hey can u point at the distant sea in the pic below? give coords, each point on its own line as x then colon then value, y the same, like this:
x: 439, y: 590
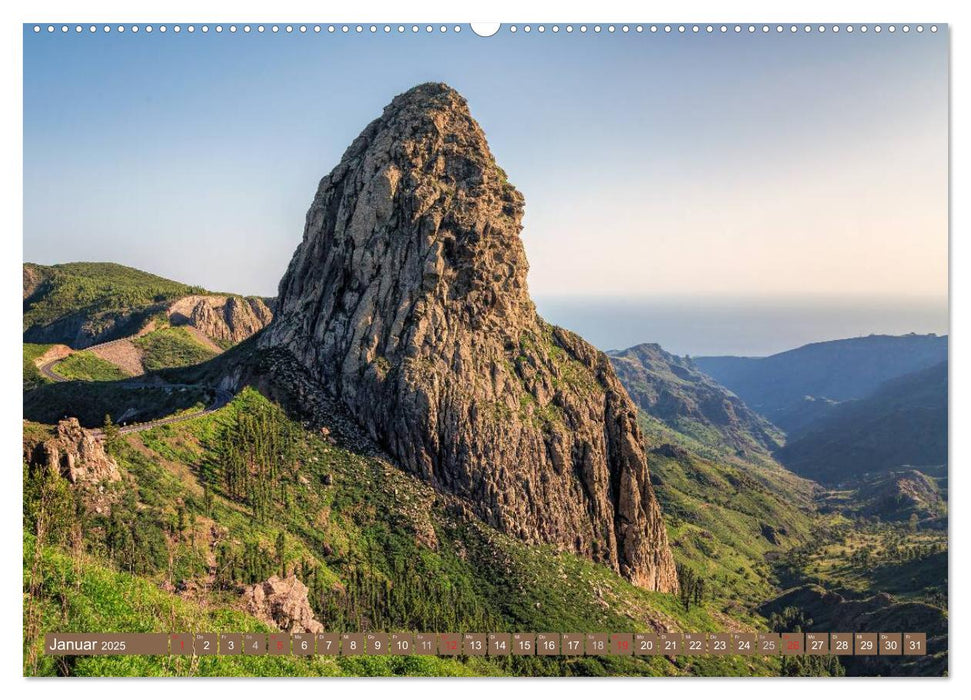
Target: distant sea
x: 751, y: 327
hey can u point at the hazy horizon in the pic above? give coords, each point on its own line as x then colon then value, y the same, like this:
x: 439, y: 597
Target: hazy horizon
x: 753, y: 327
x: 728, y: 325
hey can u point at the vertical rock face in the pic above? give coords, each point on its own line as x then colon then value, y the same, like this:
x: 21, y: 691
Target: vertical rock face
x: 407, y: 301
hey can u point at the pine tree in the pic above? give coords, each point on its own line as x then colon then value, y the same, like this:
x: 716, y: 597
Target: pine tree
x: 112, y: 435
x: 207, y: 498
x: 281, y: 553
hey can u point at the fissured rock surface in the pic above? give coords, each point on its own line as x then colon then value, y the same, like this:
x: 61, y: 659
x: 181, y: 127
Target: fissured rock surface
x: 281, y: 602
x: 77, y: 454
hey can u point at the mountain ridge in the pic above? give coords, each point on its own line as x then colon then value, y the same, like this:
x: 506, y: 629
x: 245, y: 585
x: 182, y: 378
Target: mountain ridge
x: 792, y: 388
x: 674, y: 391
x: 903, y: 423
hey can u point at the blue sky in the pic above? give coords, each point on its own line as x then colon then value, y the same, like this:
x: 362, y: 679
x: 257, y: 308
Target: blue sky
x: 795, y: 166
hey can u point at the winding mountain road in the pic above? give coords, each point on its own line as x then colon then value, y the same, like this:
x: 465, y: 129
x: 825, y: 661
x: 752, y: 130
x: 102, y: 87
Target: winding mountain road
x: 221, y: 397
x: 47, y: 369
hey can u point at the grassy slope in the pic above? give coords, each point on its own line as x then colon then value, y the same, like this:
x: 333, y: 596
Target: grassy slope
x: 716, y: 505
x: 377, y: 522
x: 171, y: 347
x: 81, y: 594
x: 890, y: 567
x: 100, y: 295
x: 88, y: 367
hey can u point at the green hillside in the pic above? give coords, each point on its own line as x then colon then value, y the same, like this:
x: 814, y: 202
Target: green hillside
x: 726, y: 517
x: 99, y: 597
x: 378, y: 549
x: 674, y: 391
x: 32, y: 376
x: 88, y: 367
x: 869, y: 576
x: 212, y: 504
x: 80, y: 304
x: 897, y: 496
x: 171, y: 347
x: 903, y: 423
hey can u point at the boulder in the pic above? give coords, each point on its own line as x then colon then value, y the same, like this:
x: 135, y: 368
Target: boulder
x: 77, y: 454
x: 281, y: 602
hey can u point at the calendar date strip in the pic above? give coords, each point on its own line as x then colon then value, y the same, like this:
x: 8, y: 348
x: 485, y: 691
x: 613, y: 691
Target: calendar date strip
x: 492, y: 644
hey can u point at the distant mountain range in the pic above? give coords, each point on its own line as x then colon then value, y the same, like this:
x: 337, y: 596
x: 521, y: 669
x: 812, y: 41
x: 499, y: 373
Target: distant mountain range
x: 902, y: 423
x: 794, y: 388
x: 849, y: 407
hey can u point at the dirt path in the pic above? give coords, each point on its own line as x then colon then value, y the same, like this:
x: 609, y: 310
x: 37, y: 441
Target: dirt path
x: 54, y: 354
x: 47, y: 369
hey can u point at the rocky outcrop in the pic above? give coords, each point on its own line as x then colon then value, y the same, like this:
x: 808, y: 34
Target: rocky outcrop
x: 772, y: 534
x: 229, y: 319
x: 77, y: 454
x: 407, y: 302
x: 281, y: 602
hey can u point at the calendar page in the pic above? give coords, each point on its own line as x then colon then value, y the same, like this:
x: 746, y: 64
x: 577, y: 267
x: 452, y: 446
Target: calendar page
x: 436, y: 349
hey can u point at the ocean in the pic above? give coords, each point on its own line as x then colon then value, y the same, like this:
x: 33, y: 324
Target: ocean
x: 749, y: 327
